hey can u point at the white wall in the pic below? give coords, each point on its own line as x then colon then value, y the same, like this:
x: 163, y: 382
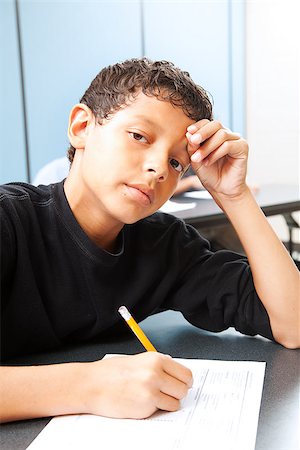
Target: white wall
x: 272, y: 93
x: 272, y: 86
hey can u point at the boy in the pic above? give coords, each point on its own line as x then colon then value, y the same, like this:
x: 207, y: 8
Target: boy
x: 73, y: 252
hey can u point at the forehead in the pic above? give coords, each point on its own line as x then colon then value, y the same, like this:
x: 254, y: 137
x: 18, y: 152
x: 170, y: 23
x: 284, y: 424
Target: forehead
x: 154, y: 112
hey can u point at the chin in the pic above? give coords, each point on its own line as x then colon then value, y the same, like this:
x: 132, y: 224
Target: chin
x: 134, y: 217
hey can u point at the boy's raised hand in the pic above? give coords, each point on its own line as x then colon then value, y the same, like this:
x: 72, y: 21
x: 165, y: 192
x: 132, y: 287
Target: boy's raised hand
x: 218, y: 157
x: 136, y: 386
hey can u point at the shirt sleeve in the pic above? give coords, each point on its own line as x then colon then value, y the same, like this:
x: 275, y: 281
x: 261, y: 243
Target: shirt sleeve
x: 215, y: 290
x: 7, y: 254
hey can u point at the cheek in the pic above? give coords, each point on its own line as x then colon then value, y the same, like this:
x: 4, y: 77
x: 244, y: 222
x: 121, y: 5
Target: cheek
x: 104, y: 171
x: 174, y: 178
x: 167, y: 189
x: 110, y: 154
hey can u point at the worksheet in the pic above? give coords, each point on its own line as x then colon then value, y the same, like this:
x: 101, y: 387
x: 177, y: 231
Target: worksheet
x: 220, y: 411
x: 202, y: 194
x: 170, y: 206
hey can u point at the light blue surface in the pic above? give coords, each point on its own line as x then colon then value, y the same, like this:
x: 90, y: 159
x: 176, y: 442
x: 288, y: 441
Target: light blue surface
x: 195, y: 36
x: 66, y: 43
x: 12, y: 147
x: 238, y: 67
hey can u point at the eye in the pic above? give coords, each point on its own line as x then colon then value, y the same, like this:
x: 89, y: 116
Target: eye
x: 176, y: 165
x: 138, y: 137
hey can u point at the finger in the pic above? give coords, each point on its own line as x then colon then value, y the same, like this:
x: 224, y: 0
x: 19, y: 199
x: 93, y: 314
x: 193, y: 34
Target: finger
x: 233, y: 149
x: 196, y: 126
x: 205, y: 132
x: 218, y: 139
x: 178, y: 371
x: 173, y: 387
x: 167, y: 403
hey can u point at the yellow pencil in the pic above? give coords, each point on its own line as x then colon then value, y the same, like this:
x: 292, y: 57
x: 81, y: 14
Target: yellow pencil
x: 136, y: 329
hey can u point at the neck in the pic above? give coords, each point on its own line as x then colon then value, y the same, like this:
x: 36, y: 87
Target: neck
x: 100, y: 228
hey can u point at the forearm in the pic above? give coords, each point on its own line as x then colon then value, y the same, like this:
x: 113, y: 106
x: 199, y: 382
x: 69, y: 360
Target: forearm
x: 219, y: 158
x: 40, y: 391
x: 275, y: 276
x: 128, y: 387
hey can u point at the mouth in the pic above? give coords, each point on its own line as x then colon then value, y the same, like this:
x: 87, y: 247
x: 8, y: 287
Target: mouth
x: 141, y: 194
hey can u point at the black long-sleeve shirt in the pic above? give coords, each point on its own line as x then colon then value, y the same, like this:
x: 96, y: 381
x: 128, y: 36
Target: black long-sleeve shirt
x: 58, y: 287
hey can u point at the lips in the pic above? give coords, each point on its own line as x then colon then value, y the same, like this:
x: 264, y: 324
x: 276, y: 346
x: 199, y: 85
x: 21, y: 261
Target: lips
x: 141, y: 193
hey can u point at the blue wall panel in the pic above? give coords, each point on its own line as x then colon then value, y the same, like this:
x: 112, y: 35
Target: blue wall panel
x: 65, y: 44
x: 238, y: 67
x: 12, y: 148
x: 206, y: 38
x: 195, y: 36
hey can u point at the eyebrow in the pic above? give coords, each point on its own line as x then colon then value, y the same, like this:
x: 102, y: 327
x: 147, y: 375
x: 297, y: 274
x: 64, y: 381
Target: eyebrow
x: 147, y: 119
x: 151, y: 122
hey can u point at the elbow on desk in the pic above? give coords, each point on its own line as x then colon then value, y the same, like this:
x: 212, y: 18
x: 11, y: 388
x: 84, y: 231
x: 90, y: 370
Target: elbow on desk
x: 286, y: 330
x: 290, y: 345
x: 288, y: 340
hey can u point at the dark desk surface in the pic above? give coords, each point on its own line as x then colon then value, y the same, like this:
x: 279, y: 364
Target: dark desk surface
x: 273, y: 199
x: 170, y: 333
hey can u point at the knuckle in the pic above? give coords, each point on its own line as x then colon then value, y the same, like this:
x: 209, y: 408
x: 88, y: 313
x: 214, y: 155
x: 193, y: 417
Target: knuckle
x: 190, y: 376
x: 202, y: 122
x: 245, y: 144
x: 154, y: 358
x: 183, y: 392
x: 218, y: 124
x: 189, y: 379
x: 174, y: 404
x: 205, y: 122
x: 226, y: 145
x: 148, y: 377
x: 223, y: 133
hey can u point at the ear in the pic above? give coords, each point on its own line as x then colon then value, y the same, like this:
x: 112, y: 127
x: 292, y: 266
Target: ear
x: 80, y: 117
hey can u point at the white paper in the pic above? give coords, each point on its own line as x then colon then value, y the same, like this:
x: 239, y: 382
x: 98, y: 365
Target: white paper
x: 171, y: 206
x: 220, y: 412
x: 203, y: 195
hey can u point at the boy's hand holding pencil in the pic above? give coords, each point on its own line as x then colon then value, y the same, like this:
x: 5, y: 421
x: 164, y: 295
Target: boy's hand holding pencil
x: 135, y: 386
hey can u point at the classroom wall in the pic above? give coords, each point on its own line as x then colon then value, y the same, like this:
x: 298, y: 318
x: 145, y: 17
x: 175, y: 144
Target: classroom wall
x: 243, y: 52
x: 272, y: 90
x: 53, y: 49
x: 272, y: 95
x: 260, y: 63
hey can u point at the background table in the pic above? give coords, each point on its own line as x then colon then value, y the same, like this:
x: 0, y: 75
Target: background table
x: 274, y: 199
x: 170, y: 333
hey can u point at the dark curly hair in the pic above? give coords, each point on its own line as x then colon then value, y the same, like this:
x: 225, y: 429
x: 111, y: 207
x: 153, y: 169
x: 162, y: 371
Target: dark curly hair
x: 117, y: 84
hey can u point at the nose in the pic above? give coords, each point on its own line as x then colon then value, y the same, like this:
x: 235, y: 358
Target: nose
x: 157, y: 165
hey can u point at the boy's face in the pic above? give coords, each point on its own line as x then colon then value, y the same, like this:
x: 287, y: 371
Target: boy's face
x: 130, y: 165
